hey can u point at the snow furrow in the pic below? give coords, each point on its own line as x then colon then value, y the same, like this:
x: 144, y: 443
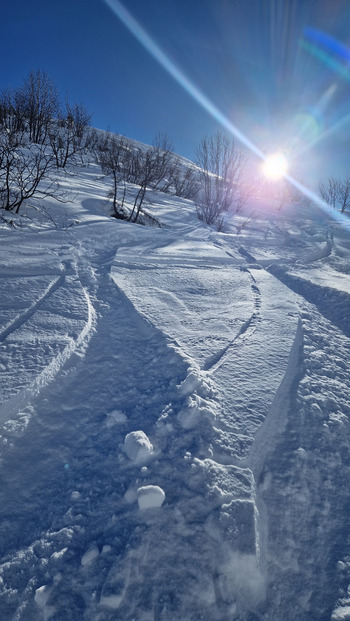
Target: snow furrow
x: 246, y: 330
x: 176, y: 443
x: 21, y: 319
x: 22, y: 398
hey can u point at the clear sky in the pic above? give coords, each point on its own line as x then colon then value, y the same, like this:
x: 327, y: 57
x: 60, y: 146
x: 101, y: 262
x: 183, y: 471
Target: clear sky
x: 278, y: 70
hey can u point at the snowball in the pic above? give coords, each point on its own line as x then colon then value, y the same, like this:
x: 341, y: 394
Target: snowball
x: 150, y: 497
x: 89, y: 556
x: 138, y: 447
x: 115, y: 418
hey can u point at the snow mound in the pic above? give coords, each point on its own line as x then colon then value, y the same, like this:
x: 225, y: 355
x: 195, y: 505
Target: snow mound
x: 150, y: 497
x: 138, y: 447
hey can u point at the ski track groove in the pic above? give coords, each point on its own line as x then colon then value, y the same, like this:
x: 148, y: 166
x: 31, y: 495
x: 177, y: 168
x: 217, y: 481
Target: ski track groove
x: 119, y: 307
x: 265, y: 437
x: 246, y: 330
x: 284, y: 487
x: 24, y: 396
x: 21, y: 319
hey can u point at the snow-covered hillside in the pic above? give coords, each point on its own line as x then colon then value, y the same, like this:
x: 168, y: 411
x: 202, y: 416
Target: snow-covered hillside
x: 175, y: 402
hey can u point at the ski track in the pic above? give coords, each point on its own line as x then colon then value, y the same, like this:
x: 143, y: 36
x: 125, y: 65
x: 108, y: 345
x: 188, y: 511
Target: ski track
x: 301, y: 463
x: 177, y: 414
x: 75, y: 545
x: 303, y: 481
x: 51, y: 364
x: 246, y: 331
x: 96, y: 490
x: 23, y: 318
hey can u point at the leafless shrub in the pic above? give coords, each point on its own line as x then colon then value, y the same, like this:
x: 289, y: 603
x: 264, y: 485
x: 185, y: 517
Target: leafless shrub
x: 111, y: 153
x: 68, y: 135
x: 185, y: 180
x: 38, y: 103
x: 221, y: 165
x: 336, y: 192
x: 23, y: 168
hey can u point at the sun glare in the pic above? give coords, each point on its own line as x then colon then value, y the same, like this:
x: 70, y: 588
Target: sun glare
x: 275, y: 166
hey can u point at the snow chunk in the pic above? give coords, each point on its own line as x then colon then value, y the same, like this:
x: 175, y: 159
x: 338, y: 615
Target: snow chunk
x: 90, y: 555
x: 42, y: 594
x: 115, y: 418
x: 341, y: 614
x: 56, y: 556
x: 190, y: 383
x: 138, y: 447
x: 195, y: 382
x: 196, y: 410
x: 150, y: 497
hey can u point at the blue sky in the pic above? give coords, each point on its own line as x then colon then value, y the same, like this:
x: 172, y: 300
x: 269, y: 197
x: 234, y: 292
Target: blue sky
x: 271, y: 67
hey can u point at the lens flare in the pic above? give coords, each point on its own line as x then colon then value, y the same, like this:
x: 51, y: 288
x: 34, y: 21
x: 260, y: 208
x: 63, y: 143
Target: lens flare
x: 151, y: 46
x: 275, y: 166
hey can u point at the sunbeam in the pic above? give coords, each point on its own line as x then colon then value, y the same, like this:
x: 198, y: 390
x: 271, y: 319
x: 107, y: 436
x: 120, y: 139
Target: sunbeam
x: 144, y: 38
x: 153, y: 48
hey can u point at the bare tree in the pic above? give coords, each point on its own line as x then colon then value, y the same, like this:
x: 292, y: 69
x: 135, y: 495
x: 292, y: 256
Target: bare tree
x: 329, y: 191
x: 185, y: 180
x: 221, y: 165
x: 162, y: 162
x: 23, y: 168
x: 68, y: 135
x: 133, y: 164
x: 344, y: 194
x: 145, y: 179
x: 39, y: 103
x: 336, y: 192
x: 11, y: 113
x: 111, y: 153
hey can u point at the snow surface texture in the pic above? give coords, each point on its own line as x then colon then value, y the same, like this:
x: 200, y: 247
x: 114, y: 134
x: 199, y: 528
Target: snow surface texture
x: 174, y: 416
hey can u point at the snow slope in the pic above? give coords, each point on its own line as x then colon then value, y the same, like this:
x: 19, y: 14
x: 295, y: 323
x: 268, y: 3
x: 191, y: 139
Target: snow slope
x: 174, y: 415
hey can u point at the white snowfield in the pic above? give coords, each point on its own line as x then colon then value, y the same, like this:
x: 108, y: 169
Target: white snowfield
x: 175, y: 402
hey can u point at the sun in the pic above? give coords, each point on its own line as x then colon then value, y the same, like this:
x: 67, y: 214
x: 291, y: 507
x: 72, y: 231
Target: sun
x: 275, y: 166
